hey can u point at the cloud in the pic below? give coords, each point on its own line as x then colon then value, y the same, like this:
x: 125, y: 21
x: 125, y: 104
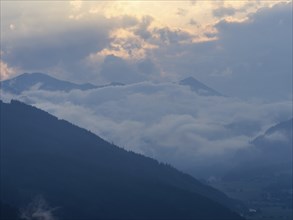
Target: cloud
x: 142, y: 29
x: 65, y: 48
x: 277, y: 137
x: 263, y: 58
x: 6, y: 71
x: 182, y: 12
x: 170, y: 37
x: 115, y: 69
x: 76, y: 5
x: 38, y: 209
x: 193, y: 22
x: 166, y: 121
x: 224, y: 11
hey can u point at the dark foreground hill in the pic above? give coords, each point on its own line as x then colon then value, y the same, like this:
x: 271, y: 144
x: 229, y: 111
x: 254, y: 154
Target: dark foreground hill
x: 81, y: 176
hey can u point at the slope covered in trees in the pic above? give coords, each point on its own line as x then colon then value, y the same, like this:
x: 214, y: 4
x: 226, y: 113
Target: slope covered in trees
x: 85, y: 177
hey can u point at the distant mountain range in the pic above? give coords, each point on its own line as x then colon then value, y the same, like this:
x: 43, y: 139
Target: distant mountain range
x: 271, y: 150
x: 41, y: 81
x: 275, y: 145
x: 262, y: 176
x: 281, y: 132
x: 86, y: 177
x: 269, y: 159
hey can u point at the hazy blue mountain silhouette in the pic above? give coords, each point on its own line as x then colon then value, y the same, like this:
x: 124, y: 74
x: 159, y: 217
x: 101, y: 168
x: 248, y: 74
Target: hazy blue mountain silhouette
x: 275, y: 145
x: 89, y: 178
x: 271, y: 150
x: 268, y: 159
x: 199, y: 87
x: 267, y: 165
x: 284, y: 128
x: 262, y: 173
x: 43, y: 81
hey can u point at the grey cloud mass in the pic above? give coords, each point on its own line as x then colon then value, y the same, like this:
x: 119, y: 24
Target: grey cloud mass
x: 259, y: 52
x: 65, y: 48
x: 142, y: 29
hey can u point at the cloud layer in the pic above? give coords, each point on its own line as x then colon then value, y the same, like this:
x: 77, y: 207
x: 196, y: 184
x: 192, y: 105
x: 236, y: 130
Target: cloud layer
x: 166, y: 121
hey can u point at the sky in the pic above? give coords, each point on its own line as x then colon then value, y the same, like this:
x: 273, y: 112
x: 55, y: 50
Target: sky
x: 240, y: 48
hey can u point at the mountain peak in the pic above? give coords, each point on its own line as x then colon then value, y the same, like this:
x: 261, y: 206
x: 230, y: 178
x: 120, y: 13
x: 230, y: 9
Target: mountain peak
x: 33, y: 76
x: 189, y: 79
x: 199, y: 87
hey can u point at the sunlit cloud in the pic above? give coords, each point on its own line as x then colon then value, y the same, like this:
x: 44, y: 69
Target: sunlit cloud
x: 76, y: 5
x: 177, y: 14
x: 6, y: 71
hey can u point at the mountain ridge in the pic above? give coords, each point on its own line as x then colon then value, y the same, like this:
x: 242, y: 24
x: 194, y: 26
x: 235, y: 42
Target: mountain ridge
x: 48, y: 153
x: 42, y: 81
